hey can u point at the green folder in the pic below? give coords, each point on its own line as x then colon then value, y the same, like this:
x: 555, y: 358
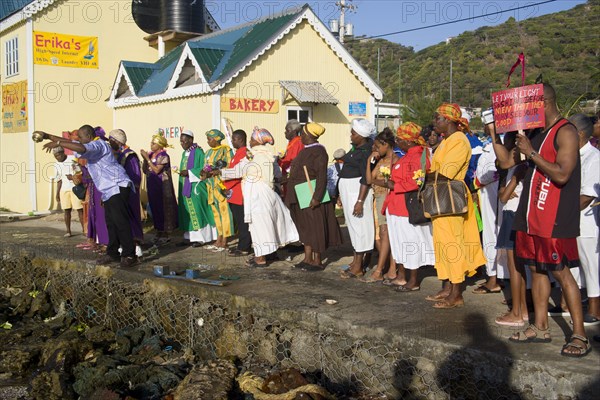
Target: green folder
x: 305, y: 191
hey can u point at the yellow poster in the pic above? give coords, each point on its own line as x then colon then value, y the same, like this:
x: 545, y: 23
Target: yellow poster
x: 235, y: 104
x: 14, y: 107
x: 62, y: 50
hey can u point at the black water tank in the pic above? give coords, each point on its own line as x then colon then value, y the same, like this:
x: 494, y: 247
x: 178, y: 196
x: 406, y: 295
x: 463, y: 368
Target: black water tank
x: 177, y: 15
x: 182, y: 15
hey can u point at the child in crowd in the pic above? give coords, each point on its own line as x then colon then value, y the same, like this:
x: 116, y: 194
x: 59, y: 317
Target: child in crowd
x: 66, y: 168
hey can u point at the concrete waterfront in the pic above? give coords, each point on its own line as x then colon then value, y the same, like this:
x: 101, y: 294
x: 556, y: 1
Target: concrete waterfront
x: 372, y: 339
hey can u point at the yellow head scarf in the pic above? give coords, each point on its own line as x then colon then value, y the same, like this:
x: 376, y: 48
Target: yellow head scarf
x: 411, y: 132
x: 161, y: 141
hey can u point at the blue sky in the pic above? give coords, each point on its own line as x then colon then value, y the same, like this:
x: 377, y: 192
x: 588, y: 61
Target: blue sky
x: 375, y: 17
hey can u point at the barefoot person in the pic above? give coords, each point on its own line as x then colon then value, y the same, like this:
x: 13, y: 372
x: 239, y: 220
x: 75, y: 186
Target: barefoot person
x: 547, y: 224
x: 458, y: 251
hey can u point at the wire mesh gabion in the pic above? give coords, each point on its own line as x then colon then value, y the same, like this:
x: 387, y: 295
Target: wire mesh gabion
x: 219, y: 329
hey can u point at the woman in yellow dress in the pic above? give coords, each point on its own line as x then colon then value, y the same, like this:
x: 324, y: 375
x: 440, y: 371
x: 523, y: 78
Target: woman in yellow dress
x: 458, y: 251
x: 216, y: 190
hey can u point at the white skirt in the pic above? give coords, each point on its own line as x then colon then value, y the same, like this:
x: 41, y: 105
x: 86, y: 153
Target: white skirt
x: 361, y: 229
x: 268, y: 219
x: 412, y: 245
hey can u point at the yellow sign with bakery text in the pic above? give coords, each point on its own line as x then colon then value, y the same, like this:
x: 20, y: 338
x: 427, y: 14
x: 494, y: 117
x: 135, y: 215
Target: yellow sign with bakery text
x: 61, y: 50
x: 14, y: 107
x: 235, y: 104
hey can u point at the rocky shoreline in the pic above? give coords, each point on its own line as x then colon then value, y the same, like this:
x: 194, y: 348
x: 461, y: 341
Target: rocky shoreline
x: 50, y: 355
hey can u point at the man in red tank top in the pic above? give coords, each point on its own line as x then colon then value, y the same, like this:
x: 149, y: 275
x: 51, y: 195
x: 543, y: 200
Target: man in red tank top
x: 547, y: 223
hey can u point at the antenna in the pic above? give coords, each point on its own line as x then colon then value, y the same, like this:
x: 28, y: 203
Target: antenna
x: 343, y: 6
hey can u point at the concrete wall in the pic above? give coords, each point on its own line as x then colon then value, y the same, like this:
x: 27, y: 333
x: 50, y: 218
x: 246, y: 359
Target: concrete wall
x: 66, y: 98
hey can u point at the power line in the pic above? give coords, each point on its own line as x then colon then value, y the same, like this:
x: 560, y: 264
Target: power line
x: 451, y: 22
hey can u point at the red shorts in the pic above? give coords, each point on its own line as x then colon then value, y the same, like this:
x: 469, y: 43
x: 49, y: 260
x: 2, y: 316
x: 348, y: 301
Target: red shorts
x: 547, y: 254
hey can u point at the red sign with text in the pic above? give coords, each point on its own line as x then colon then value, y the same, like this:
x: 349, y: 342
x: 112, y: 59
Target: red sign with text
x: 519, y: 108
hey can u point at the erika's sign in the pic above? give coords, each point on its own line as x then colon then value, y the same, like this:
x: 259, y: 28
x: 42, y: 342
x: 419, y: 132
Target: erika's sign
x: 235, y: 104
x: 61, y: 50
x: 519, y: 108
x: 14, y: 107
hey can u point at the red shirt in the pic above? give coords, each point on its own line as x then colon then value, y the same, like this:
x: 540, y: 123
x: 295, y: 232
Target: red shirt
x: 402, y: 175
x: 294, y: 147
x: 235, y: 185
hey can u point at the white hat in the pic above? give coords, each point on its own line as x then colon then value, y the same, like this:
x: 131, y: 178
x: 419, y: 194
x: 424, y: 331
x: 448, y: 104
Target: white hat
x: 119, y: 135
x: 339, y: 153
x: 187, y: 132
x: 57, y: 150
x: 363, y: 127
x: 466, y: 116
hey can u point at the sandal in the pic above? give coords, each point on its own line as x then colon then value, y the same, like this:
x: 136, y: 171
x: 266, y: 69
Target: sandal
x: 350, y: 275
x: 390, y: 282
x: 444, y: 304
x: 540, y: 335
x: 436, y: 297
x: 404, y: 289
x: 582, y: 350
x: 485, y: 290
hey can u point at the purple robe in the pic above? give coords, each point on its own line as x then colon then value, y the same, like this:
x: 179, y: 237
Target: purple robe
x: 161, y: 194
x: 97, y: 229
x: 130, y: 161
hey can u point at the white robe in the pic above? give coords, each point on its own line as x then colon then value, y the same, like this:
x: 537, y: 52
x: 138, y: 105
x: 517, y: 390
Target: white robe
x: 268, y: 219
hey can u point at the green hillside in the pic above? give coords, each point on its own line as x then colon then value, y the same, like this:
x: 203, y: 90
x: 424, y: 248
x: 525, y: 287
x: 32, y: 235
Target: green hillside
x: 564, y: 47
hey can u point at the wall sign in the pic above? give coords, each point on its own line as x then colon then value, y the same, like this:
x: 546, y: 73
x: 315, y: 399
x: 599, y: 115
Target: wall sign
x: 357, y: 109
x: 171, y: 132
x: 62, y: 50
x: 234, y: 104
x: 519, y: 108
x: 14, y: 107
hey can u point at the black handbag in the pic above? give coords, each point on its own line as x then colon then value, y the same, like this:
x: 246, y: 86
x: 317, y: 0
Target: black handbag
x: 79, y: 191
x: 416, y: 215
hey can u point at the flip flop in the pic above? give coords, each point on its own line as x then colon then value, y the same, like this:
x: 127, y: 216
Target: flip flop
x: 514, y: 324
x: 404, y: 289
x: 485, y: 290
x: 435, y: 297
x: 390, y: 282
x: 313, y: 268
x: 370, y: 280
x: 444, y: 305
x: 67, y: 235
x: 350, y: 275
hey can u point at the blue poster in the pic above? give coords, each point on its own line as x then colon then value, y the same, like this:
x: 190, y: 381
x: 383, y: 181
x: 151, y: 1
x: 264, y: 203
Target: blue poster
x: 357, y: 109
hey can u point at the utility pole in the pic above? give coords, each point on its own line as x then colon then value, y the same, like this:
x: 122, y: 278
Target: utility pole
x: 400, y: 90
x: 343, y: 7
x: 450, y: 80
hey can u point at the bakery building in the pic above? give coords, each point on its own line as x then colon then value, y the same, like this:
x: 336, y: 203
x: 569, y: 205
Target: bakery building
x: 257, y: 74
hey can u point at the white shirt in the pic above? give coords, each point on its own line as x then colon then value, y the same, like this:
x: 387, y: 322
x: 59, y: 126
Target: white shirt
x: 513, y: 203
x: 590, y: 186
x: 67, y: 167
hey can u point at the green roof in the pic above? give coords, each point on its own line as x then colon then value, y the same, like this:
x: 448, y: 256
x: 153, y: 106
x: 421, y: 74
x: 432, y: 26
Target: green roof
x: 208, y: 59
x: 10, y: 7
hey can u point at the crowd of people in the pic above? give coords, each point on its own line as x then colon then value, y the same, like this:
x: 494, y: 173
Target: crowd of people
x: 520, y: 223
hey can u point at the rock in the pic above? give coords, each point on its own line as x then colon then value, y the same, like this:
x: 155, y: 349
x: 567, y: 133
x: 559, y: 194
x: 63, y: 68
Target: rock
x: 98, y: 335
x: 211, y: 380
x: 17, y: 361
x: 51, y: 385
x: 283, y: 381
x: 40, y: 306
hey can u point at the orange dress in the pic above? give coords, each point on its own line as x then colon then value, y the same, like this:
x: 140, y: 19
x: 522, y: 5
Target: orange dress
x: 456, y: 241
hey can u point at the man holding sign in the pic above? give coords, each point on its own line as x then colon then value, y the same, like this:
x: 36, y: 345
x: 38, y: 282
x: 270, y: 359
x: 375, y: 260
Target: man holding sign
x: 546, y: 223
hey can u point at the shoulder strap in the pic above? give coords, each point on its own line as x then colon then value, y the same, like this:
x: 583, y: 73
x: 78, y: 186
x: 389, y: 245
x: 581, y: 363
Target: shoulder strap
x: 338, y: 167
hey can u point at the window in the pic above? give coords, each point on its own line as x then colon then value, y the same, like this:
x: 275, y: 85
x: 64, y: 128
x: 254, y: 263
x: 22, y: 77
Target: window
x: 302, y: 114
x: 11, y: 57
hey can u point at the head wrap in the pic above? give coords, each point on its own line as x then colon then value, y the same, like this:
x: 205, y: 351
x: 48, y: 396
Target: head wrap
x: 262, y: 136
x: 161, y: 141
x: 118, y: 135
x: 189, y: 133
x: 339, y: 153
x: 363, y: 127
x: 215, y: 134
x: 314, y: 129
x: 100, y: 132
x: 453, y: 113
x: 411, y: 132
x: 57, y: 150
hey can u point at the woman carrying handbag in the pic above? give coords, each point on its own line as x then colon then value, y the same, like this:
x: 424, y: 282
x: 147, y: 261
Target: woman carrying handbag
x: 458, y: 251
